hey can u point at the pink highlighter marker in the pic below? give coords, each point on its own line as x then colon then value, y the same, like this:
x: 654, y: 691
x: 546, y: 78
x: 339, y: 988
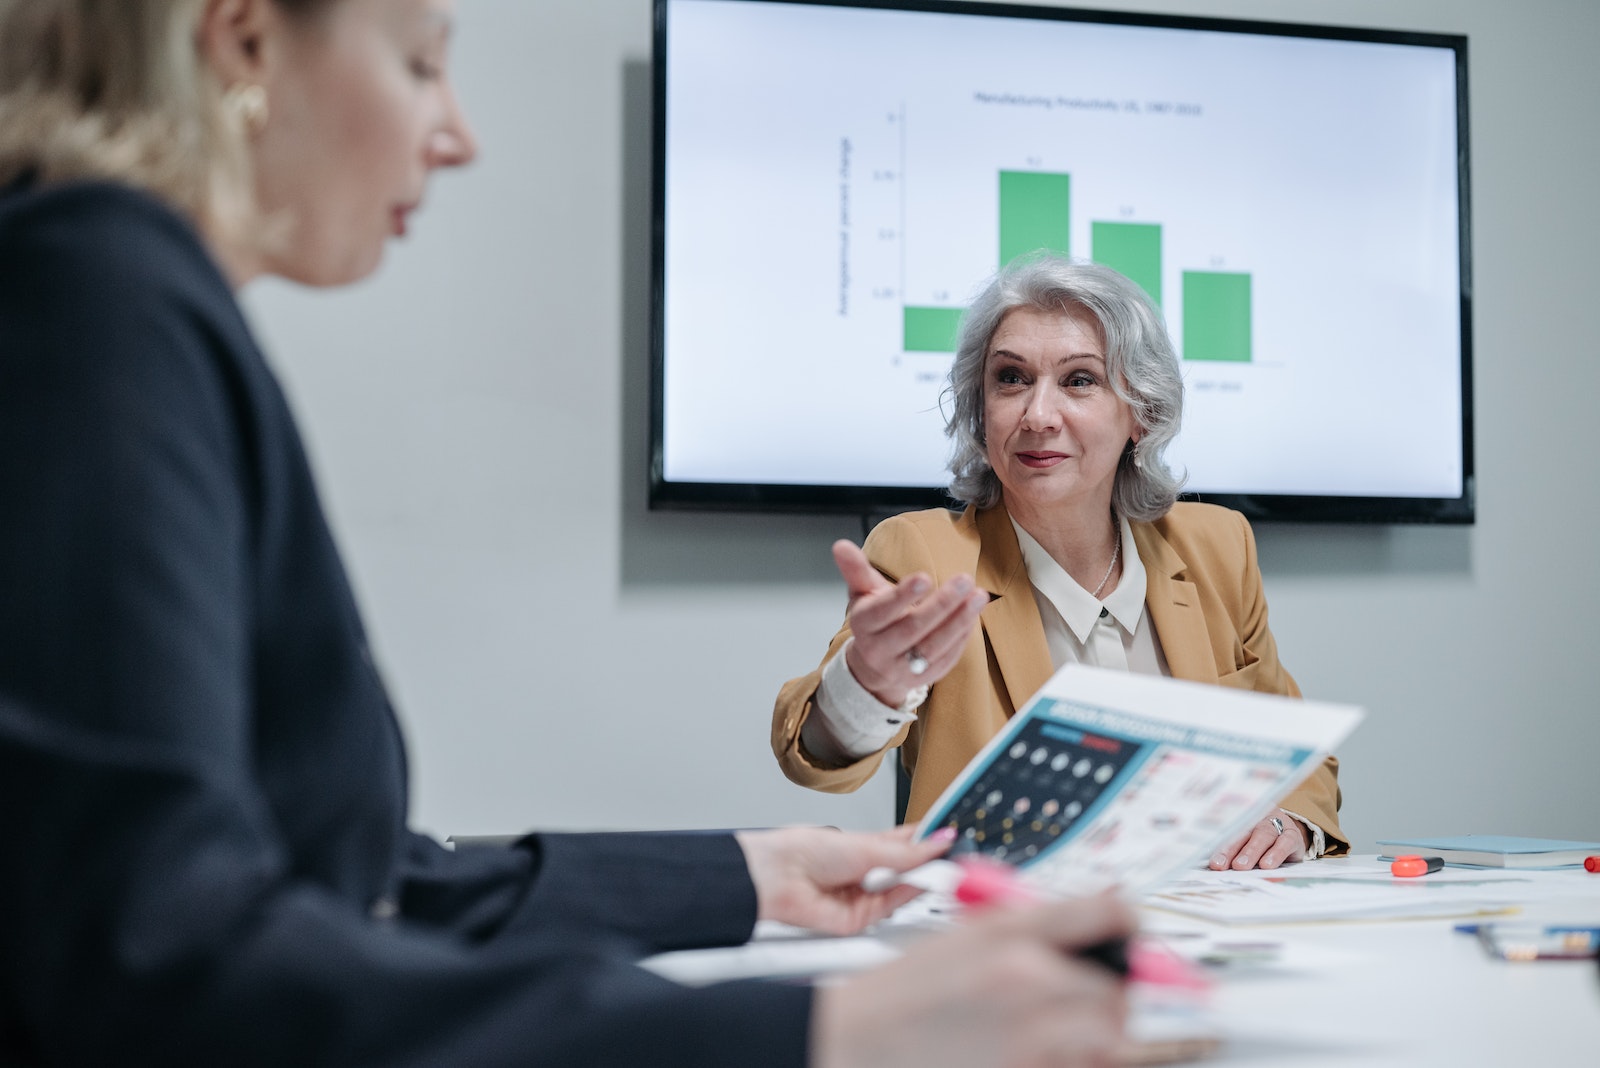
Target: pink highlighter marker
x: 985, y: 883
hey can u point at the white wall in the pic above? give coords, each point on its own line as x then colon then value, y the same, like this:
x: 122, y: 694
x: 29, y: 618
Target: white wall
x: 565, y: 658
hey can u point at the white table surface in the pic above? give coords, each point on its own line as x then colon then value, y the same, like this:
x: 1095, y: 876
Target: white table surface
x: 1376, y: 993
x: 1409, y: 992
x: 1412, y: 992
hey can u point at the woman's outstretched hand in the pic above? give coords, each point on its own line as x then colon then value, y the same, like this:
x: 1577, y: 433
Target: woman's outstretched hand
x: 907, y: 634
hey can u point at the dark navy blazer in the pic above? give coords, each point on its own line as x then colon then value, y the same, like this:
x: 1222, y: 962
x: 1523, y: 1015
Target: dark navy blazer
x: 202, y: 783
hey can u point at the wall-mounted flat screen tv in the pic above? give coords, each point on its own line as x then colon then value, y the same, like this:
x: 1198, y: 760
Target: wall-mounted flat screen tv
x: 833, y: 181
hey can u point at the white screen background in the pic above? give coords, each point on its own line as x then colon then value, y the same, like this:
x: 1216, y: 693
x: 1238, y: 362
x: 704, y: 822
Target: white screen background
x: 826, y: 167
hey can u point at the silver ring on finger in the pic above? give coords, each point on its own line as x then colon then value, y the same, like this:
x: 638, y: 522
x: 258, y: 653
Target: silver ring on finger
x: 916, y: 663
x: 1277, y: 825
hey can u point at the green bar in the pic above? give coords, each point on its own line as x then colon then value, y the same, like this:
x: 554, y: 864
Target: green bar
x: 1033, y: 213
x: 932, y: 329
x: 1132, y: 248
x: 1216, y: 316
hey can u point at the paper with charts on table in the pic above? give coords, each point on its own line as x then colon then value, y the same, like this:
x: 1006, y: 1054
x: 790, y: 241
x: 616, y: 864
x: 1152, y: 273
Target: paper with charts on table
x: 1342, y: 888
x: 1110, y: 778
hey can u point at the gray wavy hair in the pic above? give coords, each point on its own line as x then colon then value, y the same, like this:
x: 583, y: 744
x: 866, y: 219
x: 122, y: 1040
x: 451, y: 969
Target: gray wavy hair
x: 1140, y: 363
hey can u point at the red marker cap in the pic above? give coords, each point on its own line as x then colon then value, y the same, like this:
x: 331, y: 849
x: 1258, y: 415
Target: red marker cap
x: 1411, y: 865
x: 1591, y: 863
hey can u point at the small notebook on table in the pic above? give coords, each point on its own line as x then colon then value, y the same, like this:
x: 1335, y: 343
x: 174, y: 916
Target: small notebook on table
x: 1495, y: 850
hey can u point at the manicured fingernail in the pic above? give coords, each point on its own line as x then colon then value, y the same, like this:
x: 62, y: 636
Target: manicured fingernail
x: 918, y: 585
x: 1217, y: 860
x: 961, y: 583
x: 943, y: 835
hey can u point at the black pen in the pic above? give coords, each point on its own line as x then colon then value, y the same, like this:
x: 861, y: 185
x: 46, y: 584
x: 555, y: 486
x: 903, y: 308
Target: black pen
x: 1112, y: 954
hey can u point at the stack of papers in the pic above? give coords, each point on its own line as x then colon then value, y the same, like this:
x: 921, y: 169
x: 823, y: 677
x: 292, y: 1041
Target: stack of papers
x: 1328, y: 890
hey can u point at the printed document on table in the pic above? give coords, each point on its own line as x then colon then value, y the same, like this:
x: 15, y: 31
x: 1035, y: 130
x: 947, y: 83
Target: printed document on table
x: 1110, y: 778
x: 1341, y: 889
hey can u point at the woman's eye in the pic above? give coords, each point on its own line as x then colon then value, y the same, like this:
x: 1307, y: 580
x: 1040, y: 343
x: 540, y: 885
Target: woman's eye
x: 426, y: 70
x: 1079, y: 380
x: 1008, y: 376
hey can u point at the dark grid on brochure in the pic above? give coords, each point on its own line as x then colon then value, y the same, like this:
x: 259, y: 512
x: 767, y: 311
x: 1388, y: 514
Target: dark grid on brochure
x: 1036, y: 787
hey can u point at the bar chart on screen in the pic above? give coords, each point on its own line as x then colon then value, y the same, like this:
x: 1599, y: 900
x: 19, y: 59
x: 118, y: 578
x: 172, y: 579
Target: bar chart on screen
x: 1034, y: 214
x: 951, y: 191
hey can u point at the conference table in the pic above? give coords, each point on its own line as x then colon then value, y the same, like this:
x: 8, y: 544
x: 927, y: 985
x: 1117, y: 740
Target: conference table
x: 1412, y: 992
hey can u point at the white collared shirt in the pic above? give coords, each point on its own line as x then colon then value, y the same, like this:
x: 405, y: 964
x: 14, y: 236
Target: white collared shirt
x: 1113, y: 633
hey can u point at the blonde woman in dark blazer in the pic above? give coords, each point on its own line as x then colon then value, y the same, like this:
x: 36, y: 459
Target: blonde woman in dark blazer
x: 1066, y: 391
x: 203, y: 779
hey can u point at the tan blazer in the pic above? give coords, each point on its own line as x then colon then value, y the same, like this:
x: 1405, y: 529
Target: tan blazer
x: 1204, y: 597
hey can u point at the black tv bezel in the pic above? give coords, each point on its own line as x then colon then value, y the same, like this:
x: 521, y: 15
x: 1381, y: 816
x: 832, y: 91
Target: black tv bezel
x: 882, y: 500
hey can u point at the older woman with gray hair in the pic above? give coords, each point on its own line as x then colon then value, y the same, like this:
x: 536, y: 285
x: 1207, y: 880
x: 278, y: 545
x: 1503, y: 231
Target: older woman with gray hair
x: 1065, y: 393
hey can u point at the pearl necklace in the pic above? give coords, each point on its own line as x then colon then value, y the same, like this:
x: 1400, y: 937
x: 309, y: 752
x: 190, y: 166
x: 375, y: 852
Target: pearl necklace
x: 1116, y: 554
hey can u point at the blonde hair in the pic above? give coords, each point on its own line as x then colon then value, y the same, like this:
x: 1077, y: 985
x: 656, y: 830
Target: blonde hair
x: 119, y: 90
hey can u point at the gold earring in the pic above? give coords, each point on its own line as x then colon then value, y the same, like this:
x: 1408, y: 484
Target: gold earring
x: 248, y: 105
